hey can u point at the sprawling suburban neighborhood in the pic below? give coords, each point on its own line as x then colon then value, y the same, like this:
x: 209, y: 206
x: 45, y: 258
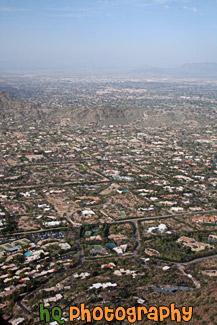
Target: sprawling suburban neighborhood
x: 117, y: 213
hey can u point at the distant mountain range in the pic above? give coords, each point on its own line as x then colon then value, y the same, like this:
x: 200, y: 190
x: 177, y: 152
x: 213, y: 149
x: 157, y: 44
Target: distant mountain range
x: 188, y: 70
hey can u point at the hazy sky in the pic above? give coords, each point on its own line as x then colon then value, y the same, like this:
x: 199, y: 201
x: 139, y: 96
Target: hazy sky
x: 56, y: 34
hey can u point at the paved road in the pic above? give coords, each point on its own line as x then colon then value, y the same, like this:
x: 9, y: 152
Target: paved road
x: 76, y: 229
x: 79, y: 247
x: 34, y: 231
x: 137, y: 238
x: 26, y: 310
x: 5, y: 188
x: 181, y: 268
x: 164, y: 216
x: 198, y: 260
